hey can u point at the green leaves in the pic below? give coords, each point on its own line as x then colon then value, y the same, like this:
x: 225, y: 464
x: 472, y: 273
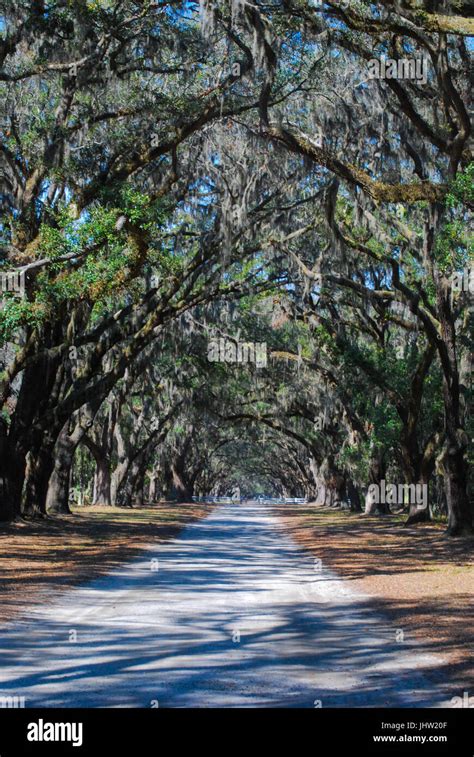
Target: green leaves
x: 461, y: 190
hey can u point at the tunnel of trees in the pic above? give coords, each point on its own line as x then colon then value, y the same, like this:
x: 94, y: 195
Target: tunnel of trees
x: 238, y: 249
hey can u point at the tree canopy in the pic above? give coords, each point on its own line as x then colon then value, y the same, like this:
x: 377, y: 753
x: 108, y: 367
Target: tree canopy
x: 236, y: 251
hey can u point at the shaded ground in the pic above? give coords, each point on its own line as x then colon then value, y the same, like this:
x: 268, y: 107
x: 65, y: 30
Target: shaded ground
x: 423, y: 581
x: 231, y: 612
x: 38, y: 556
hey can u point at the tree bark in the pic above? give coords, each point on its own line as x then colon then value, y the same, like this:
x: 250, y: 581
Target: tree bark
x: 354, y: 497
x: 102, y: 482
x: 181, y: 487
x: 39, y: 467
x: 12, y: 474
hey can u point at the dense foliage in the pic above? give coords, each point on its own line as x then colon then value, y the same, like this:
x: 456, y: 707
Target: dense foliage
x: 243, y: 261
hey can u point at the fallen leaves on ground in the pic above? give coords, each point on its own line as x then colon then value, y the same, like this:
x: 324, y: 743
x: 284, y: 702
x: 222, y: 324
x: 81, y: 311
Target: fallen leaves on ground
x: 53, y: 554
